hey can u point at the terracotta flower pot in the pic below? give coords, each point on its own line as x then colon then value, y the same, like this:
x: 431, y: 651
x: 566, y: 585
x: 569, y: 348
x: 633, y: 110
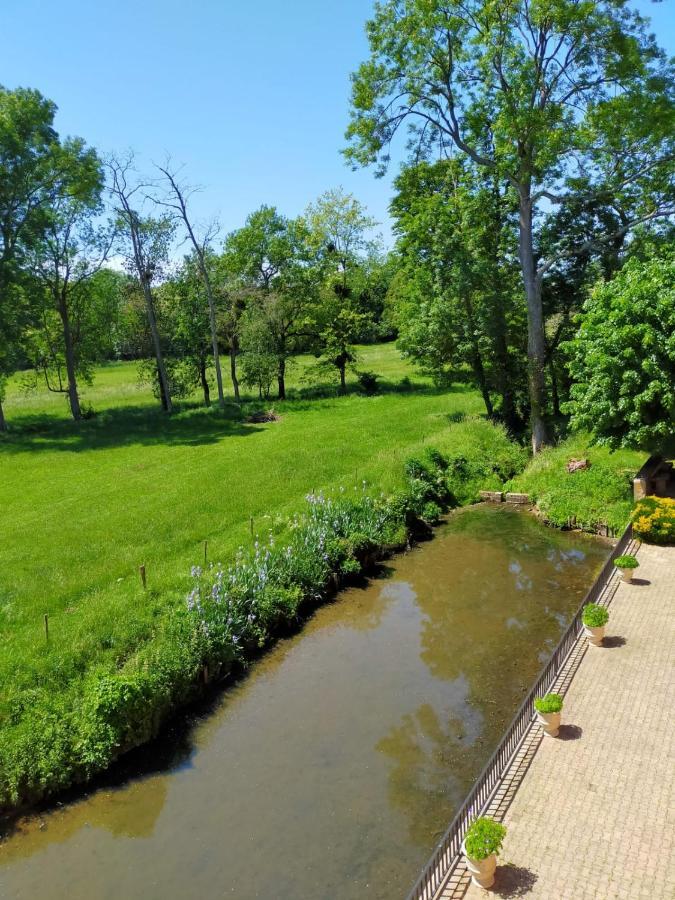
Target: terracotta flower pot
x: 482, y: 870
x: 550, y: 722
x: 595, y: 635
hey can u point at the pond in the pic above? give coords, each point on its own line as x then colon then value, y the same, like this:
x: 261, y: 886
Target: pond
x: 333, y: 768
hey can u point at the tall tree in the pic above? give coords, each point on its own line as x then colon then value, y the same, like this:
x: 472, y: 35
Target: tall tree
x: 147, y: 245
x: 65, y: 257
x: 178, y: 196
x: 272, y: 256
x: 341, y: 231
x: 456, y: 237
x: 559, y: 97
x: 34, y: 165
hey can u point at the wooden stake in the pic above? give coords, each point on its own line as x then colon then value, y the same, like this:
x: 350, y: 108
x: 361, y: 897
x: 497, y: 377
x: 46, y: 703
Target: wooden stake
x: 250, y: 522
x: 206, y: 547
x: 46, y: 626
x: 141, y: 569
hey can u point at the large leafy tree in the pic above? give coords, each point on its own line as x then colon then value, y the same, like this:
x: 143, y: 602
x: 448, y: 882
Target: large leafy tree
x: 457, y: 306
x: 275, y: 263
x: 36, y: 168
x: 341, y: 232
x: 622, y: 358
x: 562, y: 98
x: 62, y: 260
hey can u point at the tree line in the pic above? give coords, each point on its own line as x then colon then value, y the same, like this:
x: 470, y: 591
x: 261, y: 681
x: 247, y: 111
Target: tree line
x: 541, y: 142
x: 267, y: 291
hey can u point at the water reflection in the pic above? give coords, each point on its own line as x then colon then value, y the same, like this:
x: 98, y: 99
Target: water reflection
x: 331, y: 770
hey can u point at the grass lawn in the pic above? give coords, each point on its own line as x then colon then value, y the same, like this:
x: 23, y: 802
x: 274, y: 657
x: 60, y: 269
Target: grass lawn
x: 600, y: 495
x: 85, y: 504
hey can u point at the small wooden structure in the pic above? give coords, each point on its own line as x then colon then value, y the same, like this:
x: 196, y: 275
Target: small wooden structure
x: 655, y: 479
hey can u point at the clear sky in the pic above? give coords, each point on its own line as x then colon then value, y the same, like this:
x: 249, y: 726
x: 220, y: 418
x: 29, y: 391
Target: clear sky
x: 251, y: 96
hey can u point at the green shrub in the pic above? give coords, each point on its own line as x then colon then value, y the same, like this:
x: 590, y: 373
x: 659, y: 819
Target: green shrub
x: 594, y: 616
x: 654, y: 520
x: 483, y: 838
x: 431, y: 513
x: 368, y: 382
x: 626, y: 562
x: 549, y: 703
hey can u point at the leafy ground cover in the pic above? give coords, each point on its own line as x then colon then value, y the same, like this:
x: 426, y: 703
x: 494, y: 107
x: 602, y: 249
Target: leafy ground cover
x: 85, y: 504
x: 588, y: 498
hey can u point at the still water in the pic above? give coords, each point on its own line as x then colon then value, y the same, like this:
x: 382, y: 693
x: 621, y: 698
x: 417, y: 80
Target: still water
x: 333, y: 768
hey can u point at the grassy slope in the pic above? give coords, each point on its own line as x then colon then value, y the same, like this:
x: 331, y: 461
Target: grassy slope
x: 601, y: 494
x: 84, y: 505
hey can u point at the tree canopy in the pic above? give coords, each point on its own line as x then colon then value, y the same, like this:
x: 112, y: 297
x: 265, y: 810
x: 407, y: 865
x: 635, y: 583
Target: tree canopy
x: 622, y: 359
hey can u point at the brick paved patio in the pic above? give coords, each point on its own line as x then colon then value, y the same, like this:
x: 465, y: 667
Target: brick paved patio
x: 592, y: 814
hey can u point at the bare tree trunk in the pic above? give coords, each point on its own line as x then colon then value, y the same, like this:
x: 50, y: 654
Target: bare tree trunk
x: 3, y: 422
x: 555, y: 396
x: 73, y: 397
x: 180, y: 206
x: 164, y: 389
x: 342, y: 365
x: 476, y: 358
x: 205, y: 382
x: 214, y: 330
x: 281, y: 378
x: 536, y: 344
x: 233, y: 371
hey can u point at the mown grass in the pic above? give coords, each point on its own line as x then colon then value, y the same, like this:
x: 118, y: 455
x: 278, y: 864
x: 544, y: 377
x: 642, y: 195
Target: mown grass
x: 589, y: 498
x: 85, y: 504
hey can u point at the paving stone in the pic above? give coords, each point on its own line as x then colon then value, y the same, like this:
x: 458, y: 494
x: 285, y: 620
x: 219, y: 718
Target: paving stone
x: 594, y: 816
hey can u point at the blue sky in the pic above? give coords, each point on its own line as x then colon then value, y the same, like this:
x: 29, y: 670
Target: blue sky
x: 251, y: 97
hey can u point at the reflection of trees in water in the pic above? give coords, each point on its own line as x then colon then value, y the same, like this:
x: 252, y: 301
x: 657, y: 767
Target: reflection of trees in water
x: 129, y: 811
x: 433, y: 764
x: 468, y: 639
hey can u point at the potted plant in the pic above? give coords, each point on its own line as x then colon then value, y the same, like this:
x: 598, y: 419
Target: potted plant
x: 548, y: 710
x: 594, y: 618
x: 480, y: 846
x: 626, y: 565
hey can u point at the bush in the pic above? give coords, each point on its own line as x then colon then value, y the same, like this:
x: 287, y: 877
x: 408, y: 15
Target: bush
x: 626, y: 562
x: 654, y: 520
x: 549, y: 703
x: 594, y: 616
x: 368, y: 382
x: 484, y: 837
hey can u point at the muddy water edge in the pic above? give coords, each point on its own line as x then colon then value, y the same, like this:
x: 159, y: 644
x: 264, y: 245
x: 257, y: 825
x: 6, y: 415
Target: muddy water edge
x: 331, y: 770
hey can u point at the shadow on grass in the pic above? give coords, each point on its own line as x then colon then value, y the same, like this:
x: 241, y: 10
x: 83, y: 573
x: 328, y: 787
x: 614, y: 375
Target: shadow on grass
x: 126, y: 426
x: 191, y: 424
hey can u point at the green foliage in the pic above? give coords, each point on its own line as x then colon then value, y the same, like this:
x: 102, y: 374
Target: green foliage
x: 594, y: 616
x: 367, y: 382
x: 549, y: 703
x: 587, y: 499
x: 623, y: 358
x: 456, y: 299
x: 483, y: 838
x: 194, y: 476
x: 626, y: 562
x: 654, y: 520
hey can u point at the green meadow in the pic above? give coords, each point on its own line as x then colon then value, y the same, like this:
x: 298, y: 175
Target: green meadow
x: 84, y: 505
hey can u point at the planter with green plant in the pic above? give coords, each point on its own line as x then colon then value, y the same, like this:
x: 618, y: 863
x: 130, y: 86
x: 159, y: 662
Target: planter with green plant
x: 480, y: 846
x: 548, y: 710
x: 626, y: 566
x: 594, y: 618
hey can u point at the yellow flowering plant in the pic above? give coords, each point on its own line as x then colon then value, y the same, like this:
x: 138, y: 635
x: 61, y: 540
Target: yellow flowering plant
x: 654, y: 520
